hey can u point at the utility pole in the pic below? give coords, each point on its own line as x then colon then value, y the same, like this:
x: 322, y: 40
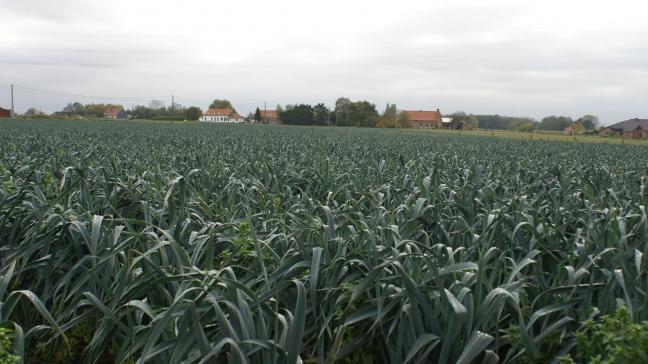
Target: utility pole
x: 12, y: 101
x: 265, y: 112
x: 172, y: 102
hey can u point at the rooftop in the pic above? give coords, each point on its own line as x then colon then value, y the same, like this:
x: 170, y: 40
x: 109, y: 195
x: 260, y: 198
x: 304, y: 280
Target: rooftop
x: 219, y: 112
x: 424, y: 115
x: 269, y: 114
x: 630, y: 125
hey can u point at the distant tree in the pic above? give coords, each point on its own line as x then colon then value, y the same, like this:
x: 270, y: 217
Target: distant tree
x: 321, y: 114
x: 501, y: 122
x: 389, y: 117
x: 32, y: 111
x: 298, y: 115
x: 590, y: 122
x: 458, y: 116
x: 555, y: 123
x: 221, y: 104
x: 342, y: 109
x: 471, y: 122
x: 193, y: 113
x: 97, y: 110
x: 156, y: 104
x: 74, y: 109
x: 527, y: 127
x: 257, y: 115
x: 404, y: 120
x: 143, y: 112
x: 279, y: 109
x: 363, y: 114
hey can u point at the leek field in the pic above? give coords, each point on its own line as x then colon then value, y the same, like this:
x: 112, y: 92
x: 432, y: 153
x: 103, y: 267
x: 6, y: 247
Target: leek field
x: 129, y: 242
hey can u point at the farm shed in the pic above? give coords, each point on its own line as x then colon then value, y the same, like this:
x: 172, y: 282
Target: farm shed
x: 574, y: 129
x: 425, y: 119
x: 225, y: 115
x: 632, y: 128
x: 453, y: 123
x: 4, y: 113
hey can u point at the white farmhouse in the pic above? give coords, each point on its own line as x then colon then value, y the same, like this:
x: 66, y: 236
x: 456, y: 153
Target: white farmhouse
x: 226, y: 115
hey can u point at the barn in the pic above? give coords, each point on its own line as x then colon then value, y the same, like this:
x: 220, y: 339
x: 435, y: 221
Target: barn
x: 4, y: 113
x: 422, y: 119
x: 631, y: 128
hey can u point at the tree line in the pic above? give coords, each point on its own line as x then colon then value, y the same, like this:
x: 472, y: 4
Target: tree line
x: 154, y: 110
x: 346, y: 112
x: 360, y: 113
x: 524, y: 124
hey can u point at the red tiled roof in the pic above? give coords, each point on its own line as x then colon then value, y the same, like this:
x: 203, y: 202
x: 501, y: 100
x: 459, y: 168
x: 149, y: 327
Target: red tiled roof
x: 271, y: 114
x: 424, y: 115
x: 112, y: 111
x: 219, y: 112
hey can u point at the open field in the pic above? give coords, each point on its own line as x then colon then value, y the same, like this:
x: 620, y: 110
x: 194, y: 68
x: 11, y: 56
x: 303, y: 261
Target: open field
x: 546, y: 136
x: 167, y: 243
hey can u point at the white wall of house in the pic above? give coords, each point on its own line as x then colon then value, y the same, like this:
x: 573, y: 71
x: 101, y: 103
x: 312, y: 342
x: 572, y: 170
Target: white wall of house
x: 219, y: 119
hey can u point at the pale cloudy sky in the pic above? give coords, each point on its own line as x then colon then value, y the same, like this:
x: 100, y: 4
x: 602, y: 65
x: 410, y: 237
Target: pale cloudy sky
x: 522, y: 58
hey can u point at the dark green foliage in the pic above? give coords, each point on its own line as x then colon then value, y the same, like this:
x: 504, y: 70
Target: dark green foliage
x: 193, y: 113
x: 236, y: 243
x: 500, y: 122
x: 89, y: 110
x: 320, y: 114
x: 298, y: 115
x: 221, y: 104
x: 555, y: 123
x: 359, y: 113
x: 164, y: 113
x: 257, y: 115
x: 590, y: 122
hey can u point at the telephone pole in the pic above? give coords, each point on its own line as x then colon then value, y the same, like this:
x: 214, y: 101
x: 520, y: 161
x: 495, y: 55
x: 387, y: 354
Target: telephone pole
x: 172, y: 102
x: 12, y: 101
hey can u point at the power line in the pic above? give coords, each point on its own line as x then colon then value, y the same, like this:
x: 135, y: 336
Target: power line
x: 209, y: 102
x: 49, y: 92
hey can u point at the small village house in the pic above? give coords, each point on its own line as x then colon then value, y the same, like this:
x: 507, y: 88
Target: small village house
x: 4, y: 113
x: 115, y: 113
x: 270, y: 117
x: 425, y: 119
x: 631, y: 128
x: 574, y: 129
x: 433, y: 120
x: 224, y: 115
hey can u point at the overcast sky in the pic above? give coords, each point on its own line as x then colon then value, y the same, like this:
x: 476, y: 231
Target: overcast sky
x: 519, y: 58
